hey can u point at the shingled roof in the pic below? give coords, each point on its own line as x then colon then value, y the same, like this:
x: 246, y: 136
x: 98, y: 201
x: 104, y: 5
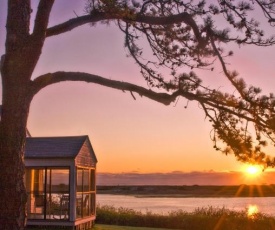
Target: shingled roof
x: 54, y: 147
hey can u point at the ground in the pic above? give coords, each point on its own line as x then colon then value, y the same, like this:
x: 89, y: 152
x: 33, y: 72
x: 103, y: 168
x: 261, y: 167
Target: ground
x: 113, y: 227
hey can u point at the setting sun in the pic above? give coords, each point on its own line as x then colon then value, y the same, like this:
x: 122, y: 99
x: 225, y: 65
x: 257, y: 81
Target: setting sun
x: 253, y: 170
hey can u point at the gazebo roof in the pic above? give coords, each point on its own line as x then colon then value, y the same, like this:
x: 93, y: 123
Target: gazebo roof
x: 54, y: 147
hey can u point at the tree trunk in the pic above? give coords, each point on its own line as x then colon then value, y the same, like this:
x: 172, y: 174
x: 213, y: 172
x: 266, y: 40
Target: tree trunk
x: 22, y: 53
x: 12, y: 190
x: 16, y: 99
x: 12, y: 144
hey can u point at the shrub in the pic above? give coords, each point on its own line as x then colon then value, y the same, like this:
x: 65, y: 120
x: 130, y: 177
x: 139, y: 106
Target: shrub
x: 201, y: 219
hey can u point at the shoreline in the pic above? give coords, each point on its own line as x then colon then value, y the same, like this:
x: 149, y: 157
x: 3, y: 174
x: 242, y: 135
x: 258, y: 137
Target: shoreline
x: 187, y: 191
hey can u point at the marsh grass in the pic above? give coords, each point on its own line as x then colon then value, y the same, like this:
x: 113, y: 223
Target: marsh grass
x: 201, y: 219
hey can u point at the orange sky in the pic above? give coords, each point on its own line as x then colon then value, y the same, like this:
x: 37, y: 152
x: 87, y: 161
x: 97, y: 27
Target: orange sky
x: 128, y: 135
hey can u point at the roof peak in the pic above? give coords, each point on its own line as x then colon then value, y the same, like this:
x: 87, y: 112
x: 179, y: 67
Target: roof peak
x: 47, y: 147
x: 58, y: 137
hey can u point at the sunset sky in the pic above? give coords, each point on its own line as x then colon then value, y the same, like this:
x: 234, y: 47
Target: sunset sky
x: 128, y: 135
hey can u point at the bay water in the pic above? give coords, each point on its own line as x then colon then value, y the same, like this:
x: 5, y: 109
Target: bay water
x: 165, y: 205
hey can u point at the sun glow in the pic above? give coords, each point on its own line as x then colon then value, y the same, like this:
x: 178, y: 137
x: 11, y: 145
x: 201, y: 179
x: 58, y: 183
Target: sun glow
x: 252, y: 211
x: 253, y: 170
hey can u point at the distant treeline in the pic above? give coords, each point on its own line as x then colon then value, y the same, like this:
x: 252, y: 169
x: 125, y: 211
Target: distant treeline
x: 191, y: 191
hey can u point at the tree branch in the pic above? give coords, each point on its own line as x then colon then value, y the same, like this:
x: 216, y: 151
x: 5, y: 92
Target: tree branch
x: 99, y: 16
x: 57, y: 77
x: 42, y: 17
x: 74, y: 23
x: 164, y: 98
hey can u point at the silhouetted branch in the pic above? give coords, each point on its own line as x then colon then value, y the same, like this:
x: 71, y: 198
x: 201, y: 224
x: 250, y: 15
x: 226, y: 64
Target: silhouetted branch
x: 164, y: 98
x: 100, y: 16
x: 42, y: 17
x: 57, y: 77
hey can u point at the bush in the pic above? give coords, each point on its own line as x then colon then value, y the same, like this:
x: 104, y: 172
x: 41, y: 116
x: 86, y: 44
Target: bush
x: 201, y: 219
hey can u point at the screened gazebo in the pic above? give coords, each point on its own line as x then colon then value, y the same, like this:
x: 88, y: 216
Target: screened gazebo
x: 60, y: 181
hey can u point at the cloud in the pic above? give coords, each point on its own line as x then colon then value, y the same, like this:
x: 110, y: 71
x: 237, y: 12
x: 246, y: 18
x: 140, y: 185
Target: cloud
x: 183, y: 178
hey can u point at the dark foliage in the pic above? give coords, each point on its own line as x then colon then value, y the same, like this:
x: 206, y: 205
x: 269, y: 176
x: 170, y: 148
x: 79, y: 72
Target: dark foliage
x: 201, y: 219
x: 185, y: 36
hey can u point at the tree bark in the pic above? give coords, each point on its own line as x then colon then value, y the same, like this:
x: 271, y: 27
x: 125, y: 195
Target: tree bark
x: 15, y: 109
x: 12, y: 145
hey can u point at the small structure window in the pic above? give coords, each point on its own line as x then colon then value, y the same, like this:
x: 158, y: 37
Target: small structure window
x: 85, y: 197
x: 48, y: 193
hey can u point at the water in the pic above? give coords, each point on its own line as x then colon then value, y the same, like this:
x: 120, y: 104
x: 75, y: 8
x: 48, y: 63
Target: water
x: 165, y: 205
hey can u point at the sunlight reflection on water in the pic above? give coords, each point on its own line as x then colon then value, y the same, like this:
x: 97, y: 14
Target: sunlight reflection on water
x: 252, y: 211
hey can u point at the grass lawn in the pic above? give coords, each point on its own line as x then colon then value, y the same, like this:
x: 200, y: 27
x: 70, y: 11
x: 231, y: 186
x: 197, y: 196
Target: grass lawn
x: 113, y: 227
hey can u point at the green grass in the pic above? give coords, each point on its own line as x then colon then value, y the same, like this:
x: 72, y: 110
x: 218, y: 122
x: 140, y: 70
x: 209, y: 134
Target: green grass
x: 113, y: 227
